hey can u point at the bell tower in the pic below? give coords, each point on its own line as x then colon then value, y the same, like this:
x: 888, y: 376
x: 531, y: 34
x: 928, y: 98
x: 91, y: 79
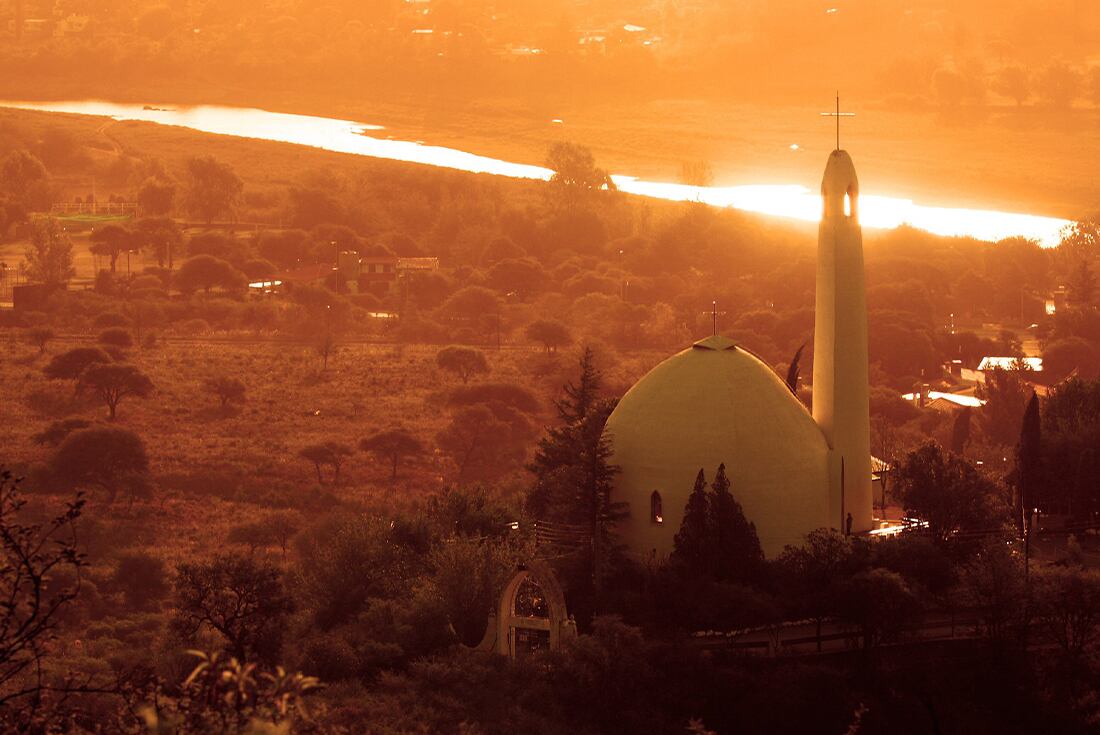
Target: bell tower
x: 840, y: 391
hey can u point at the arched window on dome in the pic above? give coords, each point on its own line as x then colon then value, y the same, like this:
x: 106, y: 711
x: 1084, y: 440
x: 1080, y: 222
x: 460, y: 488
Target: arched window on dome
x: 656, y: 512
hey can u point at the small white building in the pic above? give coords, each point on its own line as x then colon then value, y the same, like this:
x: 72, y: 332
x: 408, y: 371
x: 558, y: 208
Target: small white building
x: 1034, y: 364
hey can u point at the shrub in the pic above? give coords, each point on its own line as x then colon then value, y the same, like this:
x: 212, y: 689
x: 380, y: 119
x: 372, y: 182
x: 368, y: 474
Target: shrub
x: 259, y: 268
x: 142, y: 578
x: 226, y: 389
x: 193, y: 326
x: 348, y: 560
x: 243, y: 600
x: 142, y: 283
x: 108, y: 319
x: 48, y: 401
x: 116, y: 337
x: 40, y: 337
x: 275, y: 530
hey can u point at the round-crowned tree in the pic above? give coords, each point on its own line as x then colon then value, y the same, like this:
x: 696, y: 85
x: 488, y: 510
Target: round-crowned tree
x: 326, y: 454
x: 470, y: 303
x: 392, y: 445
x: 111, y: 241
x: 103, y: 458
x: 550, y: 333
x: 465, y: 362
x: 1065, y: 356
x: 71, y: 363
x: 206, y: 272
x: 113, y: 382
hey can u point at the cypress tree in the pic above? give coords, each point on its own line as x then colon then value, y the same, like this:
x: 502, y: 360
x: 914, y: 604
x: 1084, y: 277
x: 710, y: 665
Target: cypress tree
x: 693, y: 543
x: 1029, y: 460
x: 737, y: 556
x: 960, y: 432
x: 793, y: 370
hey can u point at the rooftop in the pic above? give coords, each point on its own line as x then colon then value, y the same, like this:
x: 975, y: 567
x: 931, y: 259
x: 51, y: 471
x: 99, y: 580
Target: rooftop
x: 1012, y: 363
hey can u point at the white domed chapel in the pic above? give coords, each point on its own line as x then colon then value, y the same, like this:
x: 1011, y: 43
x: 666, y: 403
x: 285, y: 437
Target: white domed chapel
x: 715, y: 403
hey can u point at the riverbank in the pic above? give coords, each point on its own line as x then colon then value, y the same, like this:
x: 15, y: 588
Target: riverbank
x: 1028, y: 160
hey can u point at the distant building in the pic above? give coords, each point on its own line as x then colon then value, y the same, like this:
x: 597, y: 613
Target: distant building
x: 1034, y: 364
x: 380, y: 274
x: 923, y: 397
x: 377, y: 274
x: 416, y: 265
x: 377, y: 270
x: 72, y: 25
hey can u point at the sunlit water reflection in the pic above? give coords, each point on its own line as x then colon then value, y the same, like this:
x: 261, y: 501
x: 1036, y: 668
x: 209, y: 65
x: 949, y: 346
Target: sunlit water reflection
x: 344, y: 136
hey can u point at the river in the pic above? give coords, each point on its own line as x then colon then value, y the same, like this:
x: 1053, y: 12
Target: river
x: 794, y: 201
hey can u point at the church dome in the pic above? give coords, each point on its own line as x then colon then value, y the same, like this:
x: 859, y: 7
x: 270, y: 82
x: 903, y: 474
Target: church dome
x: 711, y: 404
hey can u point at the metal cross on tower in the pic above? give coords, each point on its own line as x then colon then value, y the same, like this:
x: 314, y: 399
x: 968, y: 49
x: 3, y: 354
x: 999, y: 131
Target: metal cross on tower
x: 714, y: 314
x: 838, y: 114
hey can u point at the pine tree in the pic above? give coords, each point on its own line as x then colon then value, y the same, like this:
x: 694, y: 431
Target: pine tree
x: 736, y: 556
x: 558, y: 451
x: 580, y: 398
x: 574, y: 479
x: 692, y: 543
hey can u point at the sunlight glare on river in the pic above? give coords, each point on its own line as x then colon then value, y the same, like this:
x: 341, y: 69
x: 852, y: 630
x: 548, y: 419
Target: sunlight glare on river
x: 794, y: 201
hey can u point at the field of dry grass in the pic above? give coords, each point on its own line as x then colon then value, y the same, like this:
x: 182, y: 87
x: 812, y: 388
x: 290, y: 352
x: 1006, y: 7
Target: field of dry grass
x: 213, y: 469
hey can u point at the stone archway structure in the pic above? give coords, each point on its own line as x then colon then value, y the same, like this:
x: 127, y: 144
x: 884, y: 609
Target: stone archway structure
x: 530, y: 616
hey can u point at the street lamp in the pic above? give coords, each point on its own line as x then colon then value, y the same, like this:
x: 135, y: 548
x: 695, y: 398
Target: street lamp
x: 622, y: 282
x: 336, y: 262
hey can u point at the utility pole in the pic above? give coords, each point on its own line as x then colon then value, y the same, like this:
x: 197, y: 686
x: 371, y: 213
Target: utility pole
x: 843, y: 519
x: 336, y: 262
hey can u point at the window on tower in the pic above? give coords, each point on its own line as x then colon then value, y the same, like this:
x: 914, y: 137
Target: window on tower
x: 656, y: 513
